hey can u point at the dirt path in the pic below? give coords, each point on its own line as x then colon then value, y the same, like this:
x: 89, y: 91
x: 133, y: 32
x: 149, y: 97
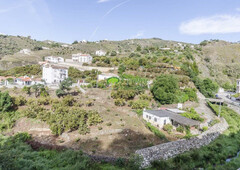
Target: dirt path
x: 203, y: 108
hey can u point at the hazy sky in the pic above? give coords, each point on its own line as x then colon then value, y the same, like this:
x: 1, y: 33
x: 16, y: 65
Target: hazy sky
x: 69, y: 20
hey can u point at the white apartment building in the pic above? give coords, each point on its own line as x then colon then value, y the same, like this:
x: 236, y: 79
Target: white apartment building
x: 53, y: 74
x: 53, y: 59
x: 82, y: 58
x: 100, y: 53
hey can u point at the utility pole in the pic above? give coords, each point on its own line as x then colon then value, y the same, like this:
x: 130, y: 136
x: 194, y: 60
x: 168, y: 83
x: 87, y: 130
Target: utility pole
x: 97, y: 79
x: 219, y: 113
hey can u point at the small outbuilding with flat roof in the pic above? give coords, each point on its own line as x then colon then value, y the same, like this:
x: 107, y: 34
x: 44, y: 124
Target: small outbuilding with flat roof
x: 159, y: 118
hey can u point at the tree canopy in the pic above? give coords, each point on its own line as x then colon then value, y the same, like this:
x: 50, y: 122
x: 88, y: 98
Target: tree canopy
x: 6, y: 102
x: 164, y: 88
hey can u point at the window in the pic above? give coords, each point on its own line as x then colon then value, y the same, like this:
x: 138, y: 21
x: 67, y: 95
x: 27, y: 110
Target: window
x: 146, y: 116
x: 155, y: 119
x: 149, y: 117
x: 165, y: 122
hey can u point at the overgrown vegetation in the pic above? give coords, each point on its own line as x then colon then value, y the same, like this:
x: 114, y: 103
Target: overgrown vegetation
x: 23, y: 71
x: 192, y: 114
x: 155, y: 131
x: 27, y: 158
x: 64, y: 87
x: 166, y: 90
x: 61, y: 117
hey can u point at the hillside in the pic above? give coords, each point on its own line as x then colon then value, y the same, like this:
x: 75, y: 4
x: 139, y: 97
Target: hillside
x: 216, y: 59
x: 11, y: 46
x: 220, y: 61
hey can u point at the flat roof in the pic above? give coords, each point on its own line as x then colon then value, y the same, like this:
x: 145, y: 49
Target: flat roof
x: 54, y: 66
x: 176, y: 111
x: 176, y: 117
x: 58, y: 67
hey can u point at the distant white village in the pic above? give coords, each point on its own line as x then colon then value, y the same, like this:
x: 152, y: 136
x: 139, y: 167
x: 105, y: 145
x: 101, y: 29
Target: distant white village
x: 55, y: 70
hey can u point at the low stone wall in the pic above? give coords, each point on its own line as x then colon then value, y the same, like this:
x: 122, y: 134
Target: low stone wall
x: 172, y: 149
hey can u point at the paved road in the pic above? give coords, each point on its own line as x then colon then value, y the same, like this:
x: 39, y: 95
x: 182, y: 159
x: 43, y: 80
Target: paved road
x: 83, y: 68
x: 231, y: 104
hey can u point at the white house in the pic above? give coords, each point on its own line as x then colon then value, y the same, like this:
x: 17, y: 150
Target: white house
x: 82, y: 58
x: 53, y: 74
x: 106, y: 76
x: 159, y: 118
x: 53, y: 59
x: 100, y: 53
x: 24, y: 80
x: 28, y: 81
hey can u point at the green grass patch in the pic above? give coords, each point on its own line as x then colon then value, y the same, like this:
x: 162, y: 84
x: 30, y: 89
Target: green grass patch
x: 155, y: 131
x: 113, y: 80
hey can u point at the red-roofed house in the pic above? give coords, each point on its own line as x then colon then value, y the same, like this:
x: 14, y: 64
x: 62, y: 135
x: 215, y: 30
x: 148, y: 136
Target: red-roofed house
x: 23, y: 80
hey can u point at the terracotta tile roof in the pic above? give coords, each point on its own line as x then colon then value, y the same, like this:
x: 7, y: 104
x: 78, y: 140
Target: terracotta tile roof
x: 25, y: 78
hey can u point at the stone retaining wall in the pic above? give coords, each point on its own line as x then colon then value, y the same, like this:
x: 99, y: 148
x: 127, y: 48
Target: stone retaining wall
x: 172, y: 149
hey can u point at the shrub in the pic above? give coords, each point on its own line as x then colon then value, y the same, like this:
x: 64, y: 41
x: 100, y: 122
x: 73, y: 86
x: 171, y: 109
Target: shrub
x: 62, y: 118
x: 192, y: 114
x: 89, y: 103
x: 113, y: 53
x: 207, y: 87
x: 207, y: 59
x: 205, y: 128
x: 19, y: 101
x: 139, y: 104
x: 145, y: 97
x: 192, y: 95
x: 119, y: 102
x: 44, y: 101
x: 93, y: 118
x: 68, y: 100
x: 27, y: 90
x: 204, y: 43
x: 123, y: 94
x: 6, y: 102
x: 164, y: 89
x: 180, y: 129
x: 168, y: 128
x: 213, y: 122
x: 155, y: 131
x: 109, y: 124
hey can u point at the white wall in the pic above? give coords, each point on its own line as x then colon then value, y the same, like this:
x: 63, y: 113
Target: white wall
x: 82, y: 58
x: 160, y: 120
x: 100, y: 53
x: 52, y: 76
x: 53, y: 59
